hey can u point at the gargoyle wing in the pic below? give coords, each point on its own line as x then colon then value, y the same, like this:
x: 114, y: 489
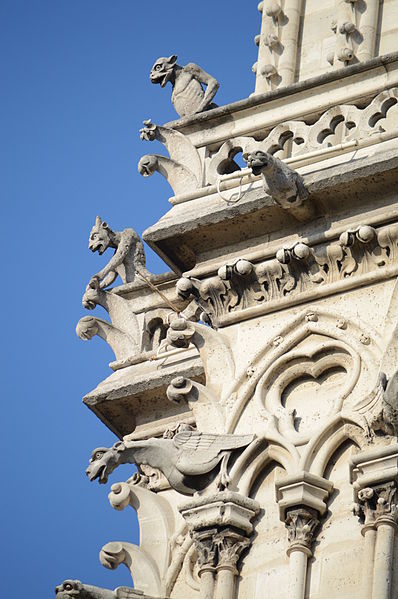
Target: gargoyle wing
x: 200, y: 452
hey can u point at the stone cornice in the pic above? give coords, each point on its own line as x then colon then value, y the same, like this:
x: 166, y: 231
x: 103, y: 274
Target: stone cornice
x: 298, y: 273
x: 204, y: 119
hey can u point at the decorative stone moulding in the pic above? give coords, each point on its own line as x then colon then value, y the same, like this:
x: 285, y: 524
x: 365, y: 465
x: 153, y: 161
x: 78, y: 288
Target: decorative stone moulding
x: 307, y: 490
x: 347, y: 124
x: 222, y: 509
x: 298, y: 273
x: 337, y: 125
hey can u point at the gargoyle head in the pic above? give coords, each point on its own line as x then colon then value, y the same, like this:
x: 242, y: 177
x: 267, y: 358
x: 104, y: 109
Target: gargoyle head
x: 100, y: 237
x: 70, y: 588
x: 258, y: 161
x: 163, y: 70
x: 87, y: 326
x: 147, y: 165
x: 148, y: 133
x: 103, y: 461
x: 90, y: 297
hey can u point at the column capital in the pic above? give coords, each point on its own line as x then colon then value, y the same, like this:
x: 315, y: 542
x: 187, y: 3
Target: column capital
x: 221, y: 509
x: 377, y: 504
x: 206, y: 549
x: 303, y: 490
x: 301, y: 524
x: 230, y: 545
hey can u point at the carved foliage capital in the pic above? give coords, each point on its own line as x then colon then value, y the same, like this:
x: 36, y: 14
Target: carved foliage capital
x: 219, y: 549
x: 206, y: 548
x: 301, y: 526
x: 230, y: 545
x: 377, y: 503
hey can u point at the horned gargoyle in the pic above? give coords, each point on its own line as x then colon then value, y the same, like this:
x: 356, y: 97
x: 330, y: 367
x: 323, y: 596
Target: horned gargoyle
x: 188, y: 96
x: 129, y: 256
x: 190, y: 460
x: 74, y: 589
x: 282, y: 183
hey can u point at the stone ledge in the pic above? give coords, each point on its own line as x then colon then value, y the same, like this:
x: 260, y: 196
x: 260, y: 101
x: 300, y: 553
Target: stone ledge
x: 179, y: 236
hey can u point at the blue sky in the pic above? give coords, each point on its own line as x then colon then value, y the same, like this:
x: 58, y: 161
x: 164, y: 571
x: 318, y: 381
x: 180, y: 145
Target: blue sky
x: 75, y: 90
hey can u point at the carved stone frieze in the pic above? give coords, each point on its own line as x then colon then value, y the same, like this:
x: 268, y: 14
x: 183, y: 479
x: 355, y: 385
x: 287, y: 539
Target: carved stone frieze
x: 300, y: 270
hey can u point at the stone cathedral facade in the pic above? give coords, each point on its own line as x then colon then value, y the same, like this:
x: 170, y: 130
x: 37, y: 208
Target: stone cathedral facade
x: 255, y: 385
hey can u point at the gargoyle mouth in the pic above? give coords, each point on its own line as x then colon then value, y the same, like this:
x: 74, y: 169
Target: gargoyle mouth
x: 88, y: 304
x: 146, y: 167
x: 161, y: 78
x: 93, y: 472
x: 144, y: 170
x: 97, y: 247
x: 257, y: 164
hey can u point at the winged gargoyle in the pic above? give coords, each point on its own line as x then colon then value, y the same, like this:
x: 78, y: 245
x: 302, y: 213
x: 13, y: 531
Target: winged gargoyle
x: 189, y: 460
x: 74, y: 589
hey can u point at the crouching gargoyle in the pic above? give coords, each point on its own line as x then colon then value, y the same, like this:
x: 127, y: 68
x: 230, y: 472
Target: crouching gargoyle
x: 190, y: 460
x: 188, y: 96
x: 282, y: 183
x: 129, y: 256
x: 74, y: 589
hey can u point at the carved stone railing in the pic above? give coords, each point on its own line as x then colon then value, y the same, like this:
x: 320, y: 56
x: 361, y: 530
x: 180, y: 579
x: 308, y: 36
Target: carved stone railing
x: 296, y: 274
x: 363, y: 117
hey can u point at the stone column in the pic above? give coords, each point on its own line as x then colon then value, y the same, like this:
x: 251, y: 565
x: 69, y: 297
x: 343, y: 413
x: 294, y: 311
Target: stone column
x: 206, y: 549
x: 230, y: 546
x: 221, y: 526
x: 375, y: 479
x: 302, y: 501
x: 301, y: 524
x: 377, y: 506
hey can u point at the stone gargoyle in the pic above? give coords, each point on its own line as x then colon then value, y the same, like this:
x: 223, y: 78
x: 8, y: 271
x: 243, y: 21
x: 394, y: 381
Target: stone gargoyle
x: 283, y: 184
x: 74, y: 589
x: 182, y: 168
x: 188, y: 96
x: 190, y: 460
x: 129, y: 256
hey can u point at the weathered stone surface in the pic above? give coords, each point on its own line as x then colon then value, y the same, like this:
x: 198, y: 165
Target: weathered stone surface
x: 188, y: 96
x: 277, y: 336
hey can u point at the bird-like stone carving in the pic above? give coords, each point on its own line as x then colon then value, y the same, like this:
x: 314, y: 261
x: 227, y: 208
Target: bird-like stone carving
x: 190, y: 460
